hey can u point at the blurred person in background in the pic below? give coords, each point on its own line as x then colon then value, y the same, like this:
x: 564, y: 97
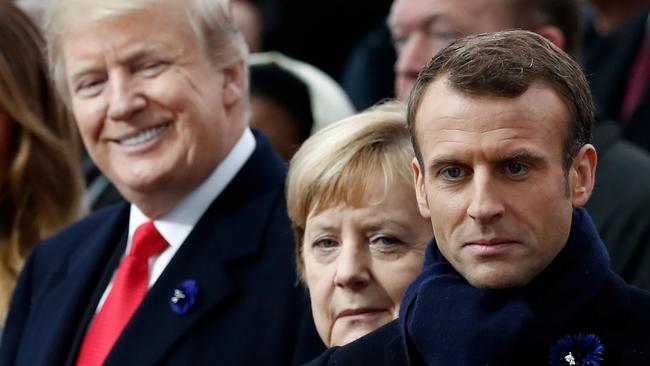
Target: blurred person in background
x: 359, y: 236
x: 291, y: 99
x: 40, y: 178
x: 616, y: 58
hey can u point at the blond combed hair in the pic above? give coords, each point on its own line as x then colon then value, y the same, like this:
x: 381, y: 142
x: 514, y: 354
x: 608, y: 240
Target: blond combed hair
x: 339, y: 163
x: 44, y: 186
x: 211, y: 21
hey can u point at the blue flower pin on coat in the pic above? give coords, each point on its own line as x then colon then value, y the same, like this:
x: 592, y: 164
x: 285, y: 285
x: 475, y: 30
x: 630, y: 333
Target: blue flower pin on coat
x: 577, y: 350
x: 184, y: 296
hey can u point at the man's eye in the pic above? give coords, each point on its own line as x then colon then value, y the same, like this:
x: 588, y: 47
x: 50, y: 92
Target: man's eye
x: 150, y: 68
x: 452, y: 173
x: 89, y: 87
x: 516, y: 168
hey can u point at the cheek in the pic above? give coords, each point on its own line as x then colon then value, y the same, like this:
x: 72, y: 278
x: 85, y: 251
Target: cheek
x: 321, y: 285
x: 395, y: 276
x: 89, y: 119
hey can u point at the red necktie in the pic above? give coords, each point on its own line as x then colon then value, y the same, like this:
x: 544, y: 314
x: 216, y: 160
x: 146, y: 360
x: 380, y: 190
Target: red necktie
x: 129, y: 287
x: 638, y: 82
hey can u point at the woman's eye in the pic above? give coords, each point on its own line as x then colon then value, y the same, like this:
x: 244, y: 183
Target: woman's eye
x: 325, y: 243
x: 386, y: 240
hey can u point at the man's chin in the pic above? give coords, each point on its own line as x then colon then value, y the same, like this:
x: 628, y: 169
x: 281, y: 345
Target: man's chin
x: 497, y: 279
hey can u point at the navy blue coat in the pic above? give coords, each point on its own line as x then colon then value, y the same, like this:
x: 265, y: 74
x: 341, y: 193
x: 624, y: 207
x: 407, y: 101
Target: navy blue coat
x: 576, y: 299
x: 249, y: 308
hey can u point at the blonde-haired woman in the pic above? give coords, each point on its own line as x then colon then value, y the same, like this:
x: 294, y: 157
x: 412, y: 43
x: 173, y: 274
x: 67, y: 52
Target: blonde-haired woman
x: 40, y: 180
x: 359, y: 236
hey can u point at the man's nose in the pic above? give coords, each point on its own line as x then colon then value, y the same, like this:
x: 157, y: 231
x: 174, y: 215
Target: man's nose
x: 486, y: 203
x: 125, y: 100
x: 353, y: 267
x: 411, y: 58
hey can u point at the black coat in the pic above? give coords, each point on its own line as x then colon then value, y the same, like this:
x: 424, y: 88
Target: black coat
x: 575, y: 295
x: 249, y: 308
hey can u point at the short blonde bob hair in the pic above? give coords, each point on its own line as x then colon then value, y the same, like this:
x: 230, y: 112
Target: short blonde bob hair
x: 341, y: 162
x: 44, y: 188
x: 211, y: 22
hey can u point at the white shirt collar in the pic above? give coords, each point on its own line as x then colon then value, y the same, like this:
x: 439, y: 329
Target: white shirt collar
x: 177, y: 224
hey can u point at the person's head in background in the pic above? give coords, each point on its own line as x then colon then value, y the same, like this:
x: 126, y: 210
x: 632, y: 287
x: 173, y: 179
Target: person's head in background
x: 291, y: 100
x: 359, y: 237
x: 40, y: 179
x: 421, y: 28
x: 280, y: 107
x: 610, y: 14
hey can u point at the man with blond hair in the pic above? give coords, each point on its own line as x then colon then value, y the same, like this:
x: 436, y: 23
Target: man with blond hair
x: 197, y: 266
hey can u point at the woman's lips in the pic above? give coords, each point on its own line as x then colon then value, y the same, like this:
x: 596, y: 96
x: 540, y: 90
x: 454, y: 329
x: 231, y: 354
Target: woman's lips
x: 359, y: 313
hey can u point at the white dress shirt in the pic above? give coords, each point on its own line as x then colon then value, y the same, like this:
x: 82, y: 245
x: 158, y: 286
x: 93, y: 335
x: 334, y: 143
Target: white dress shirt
x: 177, y: 224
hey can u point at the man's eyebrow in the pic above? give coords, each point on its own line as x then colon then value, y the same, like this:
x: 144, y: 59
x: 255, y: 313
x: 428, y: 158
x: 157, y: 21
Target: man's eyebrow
x: 524, y: 155
x: 139, y: 51
x: 439, y: 161
x: 425, y: 24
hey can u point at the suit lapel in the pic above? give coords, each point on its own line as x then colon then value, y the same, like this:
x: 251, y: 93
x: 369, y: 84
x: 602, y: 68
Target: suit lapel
x: 68, y: 294
x: 231, y: 229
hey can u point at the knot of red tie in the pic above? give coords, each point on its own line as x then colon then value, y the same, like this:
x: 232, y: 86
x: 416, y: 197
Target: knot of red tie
x: 147, y: 241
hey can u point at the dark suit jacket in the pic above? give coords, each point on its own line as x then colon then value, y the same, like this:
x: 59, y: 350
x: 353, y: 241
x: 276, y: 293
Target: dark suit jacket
x: 249, y: 309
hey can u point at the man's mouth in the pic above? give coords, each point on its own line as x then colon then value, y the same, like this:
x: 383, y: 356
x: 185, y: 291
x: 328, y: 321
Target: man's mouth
x: 143, y: 136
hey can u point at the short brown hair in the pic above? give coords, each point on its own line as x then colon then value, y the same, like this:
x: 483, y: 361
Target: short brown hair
x: 506, y: 64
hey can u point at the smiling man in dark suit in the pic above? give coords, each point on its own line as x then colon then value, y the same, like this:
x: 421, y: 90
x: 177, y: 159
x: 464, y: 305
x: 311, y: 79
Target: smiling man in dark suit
x: 197, y: 267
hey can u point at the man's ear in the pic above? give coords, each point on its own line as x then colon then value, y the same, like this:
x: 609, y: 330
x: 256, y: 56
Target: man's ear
x: 582, y: 175
x: 234, y: 83
x: 553, y: 34
x: 420, y: 192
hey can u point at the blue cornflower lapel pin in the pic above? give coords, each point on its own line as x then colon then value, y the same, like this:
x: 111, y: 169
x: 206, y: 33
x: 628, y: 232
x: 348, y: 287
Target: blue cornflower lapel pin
x: 184, y: 296
x: 577, y: 350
